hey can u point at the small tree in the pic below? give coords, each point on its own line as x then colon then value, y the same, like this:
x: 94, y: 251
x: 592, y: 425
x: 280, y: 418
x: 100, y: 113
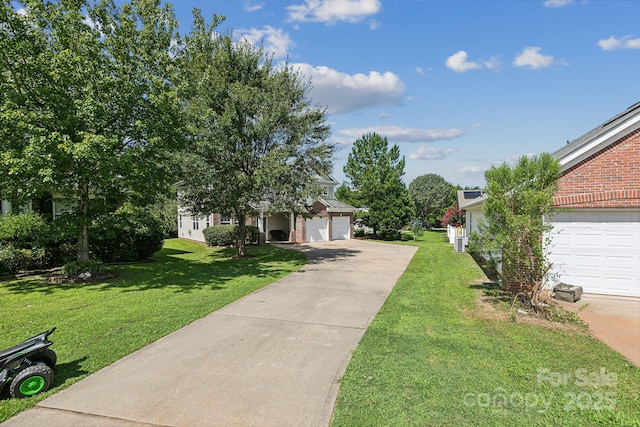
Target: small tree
x: 518, y: 199
x: 375, y: 172
x: 88, y: 105
x: 255, y: 137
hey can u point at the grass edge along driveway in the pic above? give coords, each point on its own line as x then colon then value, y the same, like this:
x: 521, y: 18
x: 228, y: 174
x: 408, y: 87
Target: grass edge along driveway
x: 430, y: 359
x: 100, y: 323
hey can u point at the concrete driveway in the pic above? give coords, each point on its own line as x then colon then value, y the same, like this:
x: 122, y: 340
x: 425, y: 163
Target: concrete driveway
x: 273, y: 358
x: 613, y: 320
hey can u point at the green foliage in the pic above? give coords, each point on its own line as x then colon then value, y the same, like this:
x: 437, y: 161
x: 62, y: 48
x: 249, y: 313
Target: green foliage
x: 221, y: 235
x: 431, y: 195
x: 88, y: 109
x: 13, y: 260
x: 255, y: 136
x: 74, y: 268
x: 417, y: 229
x: 376, y: 171
x: 22, y: 231
x: 165, y: 211
x: 518, y: 198
x: 129, y: 234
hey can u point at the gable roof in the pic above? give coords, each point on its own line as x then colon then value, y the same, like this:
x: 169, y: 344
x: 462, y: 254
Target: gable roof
x: 468, y: 198
x: 599, y: 138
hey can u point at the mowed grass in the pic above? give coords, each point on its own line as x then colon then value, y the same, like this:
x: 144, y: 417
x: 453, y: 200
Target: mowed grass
x: 100, y: 323
x: 430, y: 359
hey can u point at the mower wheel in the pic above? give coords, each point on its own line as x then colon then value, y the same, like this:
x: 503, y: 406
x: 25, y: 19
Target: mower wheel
x: 31, y: 380
x: 46, y: 356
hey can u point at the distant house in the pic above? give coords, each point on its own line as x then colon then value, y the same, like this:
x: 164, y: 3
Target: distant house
x: 596, y: 243
x: 50, y: 206
x: 470, y: 201
x: 331, y: 220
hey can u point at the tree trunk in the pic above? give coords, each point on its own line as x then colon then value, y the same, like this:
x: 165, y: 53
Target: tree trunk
x: 83, y: 218
x: 242, y: 232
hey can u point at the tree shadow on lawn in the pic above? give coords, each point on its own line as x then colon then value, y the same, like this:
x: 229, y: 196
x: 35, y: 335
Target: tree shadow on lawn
x: 172, y: 268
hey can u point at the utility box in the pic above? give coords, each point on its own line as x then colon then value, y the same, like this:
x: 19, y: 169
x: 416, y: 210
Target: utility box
x: 459, y: 244
x: 565, y: 292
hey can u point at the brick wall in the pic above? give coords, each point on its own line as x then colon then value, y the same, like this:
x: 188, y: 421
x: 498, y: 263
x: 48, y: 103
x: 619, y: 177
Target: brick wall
x: 607, y: 179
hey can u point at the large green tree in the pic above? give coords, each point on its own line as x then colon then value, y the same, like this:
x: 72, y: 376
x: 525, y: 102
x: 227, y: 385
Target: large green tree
x: 375, y: 173
x: 256, y: 139
x: 518, y: 199
x: 87, y: 101
x: 431, y: 195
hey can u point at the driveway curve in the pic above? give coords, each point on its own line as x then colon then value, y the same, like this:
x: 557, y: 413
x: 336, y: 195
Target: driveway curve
x: 274, y: 357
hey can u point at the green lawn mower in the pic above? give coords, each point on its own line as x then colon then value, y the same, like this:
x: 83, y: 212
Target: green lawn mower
x: 28, y: 366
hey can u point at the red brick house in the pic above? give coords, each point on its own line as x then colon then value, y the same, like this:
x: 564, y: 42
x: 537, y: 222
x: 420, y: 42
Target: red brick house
x: 596, y: 241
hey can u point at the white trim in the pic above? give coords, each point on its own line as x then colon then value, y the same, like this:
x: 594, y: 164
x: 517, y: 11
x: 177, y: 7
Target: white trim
x: 574, y: 157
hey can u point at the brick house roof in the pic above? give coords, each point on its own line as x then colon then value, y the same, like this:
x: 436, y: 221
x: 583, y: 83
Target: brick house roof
x: 601, y: 169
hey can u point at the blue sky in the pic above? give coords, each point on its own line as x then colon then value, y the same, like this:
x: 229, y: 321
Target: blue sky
x: 458, y: 85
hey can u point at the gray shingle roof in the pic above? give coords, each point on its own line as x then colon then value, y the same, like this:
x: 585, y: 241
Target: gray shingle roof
x: 596, y: 132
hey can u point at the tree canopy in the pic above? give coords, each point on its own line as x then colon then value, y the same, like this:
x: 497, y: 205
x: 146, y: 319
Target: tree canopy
x: 518, y: 199
x: 255, y: 137
x: 375, y: 172
x: 88, y: 104
x: 431, y: 195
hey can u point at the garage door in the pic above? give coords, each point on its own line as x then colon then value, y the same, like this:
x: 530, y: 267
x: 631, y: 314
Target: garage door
x: 317, y: 230
x: 340, y: 228
x: 599, y: 251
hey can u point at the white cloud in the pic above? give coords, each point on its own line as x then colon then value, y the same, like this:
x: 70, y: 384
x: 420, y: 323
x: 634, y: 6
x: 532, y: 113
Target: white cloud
x: 493, y: 63
x: 274, y: 40
x: 22, y: 11
x: 613, y: 43
x: 402, y: 134
x: 252, y: 7
x: 344, y: 93
x: 532, y: 58
x: 420, y: 71
x: 557, y: 3
x: 333, y: 11
x: 458, y: 62
x: 431, y: 153
x: 470, y: 170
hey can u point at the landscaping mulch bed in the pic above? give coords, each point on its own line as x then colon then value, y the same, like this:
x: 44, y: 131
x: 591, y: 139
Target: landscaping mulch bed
x: 66, y: 279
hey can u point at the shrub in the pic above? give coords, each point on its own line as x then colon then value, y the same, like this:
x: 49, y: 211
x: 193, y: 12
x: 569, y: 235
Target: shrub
x: 22, y: 231
x: 128, y: 234
x: 220, y: 235
x: 13, y: 260
x: 74, y: 267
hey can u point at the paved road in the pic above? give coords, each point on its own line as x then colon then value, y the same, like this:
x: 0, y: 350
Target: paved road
x: 273, y: 358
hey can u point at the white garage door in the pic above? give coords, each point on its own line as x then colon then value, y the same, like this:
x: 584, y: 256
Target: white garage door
x: 599, y: 251
x: 340, y: 228
x: 317, y: 230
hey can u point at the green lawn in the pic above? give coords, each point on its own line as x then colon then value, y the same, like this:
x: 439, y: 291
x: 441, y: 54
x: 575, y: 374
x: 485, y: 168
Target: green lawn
x: 429, y: 359
x: 100, y: 323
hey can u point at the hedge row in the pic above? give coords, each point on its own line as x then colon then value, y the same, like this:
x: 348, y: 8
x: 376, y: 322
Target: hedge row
x: 28, y: 242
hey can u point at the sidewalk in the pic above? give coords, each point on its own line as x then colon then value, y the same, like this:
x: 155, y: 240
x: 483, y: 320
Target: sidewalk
x: 272, y: 358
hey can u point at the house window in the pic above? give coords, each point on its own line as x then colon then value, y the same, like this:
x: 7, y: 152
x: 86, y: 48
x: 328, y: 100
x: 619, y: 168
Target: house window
x: 196, y: 223
x: 179, y: 221
x: 225, y: 220
x: 208, y: 223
